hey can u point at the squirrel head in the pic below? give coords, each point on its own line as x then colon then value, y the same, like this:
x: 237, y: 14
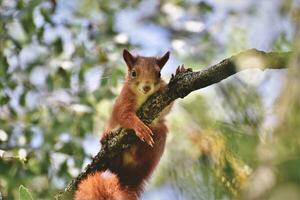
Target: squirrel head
x: 144, y: 72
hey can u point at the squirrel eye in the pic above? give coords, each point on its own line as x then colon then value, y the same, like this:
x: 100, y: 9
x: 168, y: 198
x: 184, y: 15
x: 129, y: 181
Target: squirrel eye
x: 133, y: 73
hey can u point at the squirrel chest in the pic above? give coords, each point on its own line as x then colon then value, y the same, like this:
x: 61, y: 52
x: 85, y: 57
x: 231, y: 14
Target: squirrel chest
x: 140, y: 99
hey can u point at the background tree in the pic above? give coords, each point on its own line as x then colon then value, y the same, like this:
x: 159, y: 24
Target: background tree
x: 61, y: 67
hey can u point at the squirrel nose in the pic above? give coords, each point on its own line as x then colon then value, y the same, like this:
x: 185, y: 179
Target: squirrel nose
x: 146, y: 88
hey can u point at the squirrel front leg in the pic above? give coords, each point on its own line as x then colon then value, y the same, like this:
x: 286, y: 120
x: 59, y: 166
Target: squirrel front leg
x: 141, y: 130
x: 124, y: 116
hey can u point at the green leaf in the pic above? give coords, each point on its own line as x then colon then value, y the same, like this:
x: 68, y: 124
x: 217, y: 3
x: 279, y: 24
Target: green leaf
x: 40, y: 34
x: 47, y: 16
x: 58, y: 46
x: 28, y: 24
x: 24, y: 193
x: 3, y: 65
x: 20, y: 4
x: 205, y: 8
x: 4, y: 99
x: 22, y: 99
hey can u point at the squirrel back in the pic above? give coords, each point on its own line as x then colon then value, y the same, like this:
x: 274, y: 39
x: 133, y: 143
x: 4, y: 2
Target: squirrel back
x: 103, y: 186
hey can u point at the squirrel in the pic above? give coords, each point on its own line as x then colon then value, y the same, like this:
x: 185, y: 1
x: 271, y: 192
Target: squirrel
x: 130, y: 170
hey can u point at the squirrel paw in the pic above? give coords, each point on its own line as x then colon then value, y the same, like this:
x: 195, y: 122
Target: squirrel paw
x: 145, y: 134
x: 104, y: 136
x: 181, y: 69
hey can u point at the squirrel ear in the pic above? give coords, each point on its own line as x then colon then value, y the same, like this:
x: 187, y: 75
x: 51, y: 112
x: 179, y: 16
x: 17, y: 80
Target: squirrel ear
x: 161, y: 61
x: 129, y: 58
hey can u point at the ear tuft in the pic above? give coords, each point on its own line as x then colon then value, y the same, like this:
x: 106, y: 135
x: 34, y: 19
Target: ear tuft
x: 129, y: 58
x: 161, y: 61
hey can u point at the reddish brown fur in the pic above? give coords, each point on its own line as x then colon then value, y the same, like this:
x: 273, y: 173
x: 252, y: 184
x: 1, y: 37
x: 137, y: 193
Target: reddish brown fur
x: 146, y: 158
x: 99, y: 186
x: 136, y: 164
x: 142, y: 157
x: 127, y: 103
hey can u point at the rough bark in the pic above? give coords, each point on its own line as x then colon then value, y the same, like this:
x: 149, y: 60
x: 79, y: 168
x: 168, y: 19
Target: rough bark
x: 179, y: 86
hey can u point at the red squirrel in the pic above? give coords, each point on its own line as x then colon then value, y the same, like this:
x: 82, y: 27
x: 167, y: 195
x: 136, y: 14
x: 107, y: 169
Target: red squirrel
x: 137, y: 163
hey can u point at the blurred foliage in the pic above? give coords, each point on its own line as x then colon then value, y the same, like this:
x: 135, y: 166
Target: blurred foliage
x: 24, y: 194
x: 61, y: 68
x: 46, y: 106
x: 221, y: 153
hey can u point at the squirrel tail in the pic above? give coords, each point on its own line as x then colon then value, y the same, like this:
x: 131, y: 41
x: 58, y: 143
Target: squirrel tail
x: 103, y: 186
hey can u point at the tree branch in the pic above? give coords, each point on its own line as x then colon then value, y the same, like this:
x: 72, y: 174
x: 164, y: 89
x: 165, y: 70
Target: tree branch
x: 179, y: 86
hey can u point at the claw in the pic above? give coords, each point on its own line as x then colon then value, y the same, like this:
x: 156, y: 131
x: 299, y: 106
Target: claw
x: 150, y: 140
x: 145, y: 134
x: 177, y: 70
x: 151, y: 144
x: 180, y: 69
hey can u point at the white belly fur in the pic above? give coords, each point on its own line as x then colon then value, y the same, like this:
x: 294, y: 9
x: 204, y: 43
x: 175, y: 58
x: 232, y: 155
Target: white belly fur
x: 140, y: 100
